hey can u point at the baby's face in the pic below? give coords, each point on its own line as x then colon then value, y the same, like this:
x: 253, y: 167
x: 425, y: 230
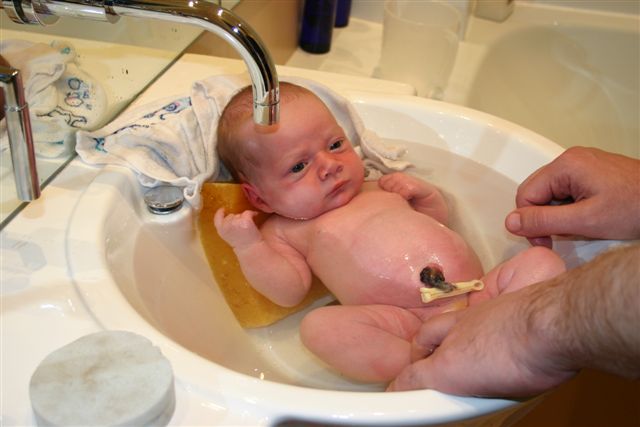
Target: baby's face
x: 308, y: 166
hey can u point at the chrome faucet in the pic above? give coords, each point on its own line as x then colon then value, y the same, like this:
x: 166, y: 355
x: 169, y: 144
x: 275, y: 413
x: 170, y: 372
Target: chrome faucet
x: 204, y: 14
x: 23, y: 155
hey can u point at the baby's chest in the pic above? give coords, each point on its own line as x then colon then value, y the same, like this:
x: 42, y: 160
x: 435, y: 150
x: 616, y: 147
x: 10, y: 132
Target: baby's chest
x: 381, y: 242
x: 366, y: 209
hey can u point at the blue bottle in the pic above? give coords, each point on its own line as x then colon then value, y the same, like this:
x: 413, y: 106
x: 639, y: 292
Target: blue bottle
x: 343, y: 10
x: 318, y: 19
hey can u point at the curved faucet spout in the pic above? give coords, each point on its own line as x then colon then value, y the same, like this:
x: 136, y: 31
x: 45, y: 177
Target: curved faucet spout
x: 204, y: 14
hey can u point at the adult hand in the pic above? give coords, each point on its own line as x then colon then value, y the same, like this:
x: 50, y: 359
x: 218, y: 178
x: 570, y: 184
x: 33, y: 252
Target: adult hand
x: 484, y: 350
x: 603, y: 190
x: 525, y: 342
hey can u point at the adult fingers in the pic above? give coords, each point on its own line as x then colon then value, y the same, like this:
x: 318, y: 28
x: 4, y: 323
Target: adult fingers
x: 431, y: 334
x: 542, y: 221
x: 416, y: 376
x: 543, y: 186
x: 423, y: 373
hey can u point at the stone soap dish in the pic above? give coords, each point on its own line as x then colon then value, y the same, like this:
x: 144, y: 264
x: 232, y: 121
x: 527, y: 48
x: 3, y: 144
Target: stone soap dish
x: 110, y: 378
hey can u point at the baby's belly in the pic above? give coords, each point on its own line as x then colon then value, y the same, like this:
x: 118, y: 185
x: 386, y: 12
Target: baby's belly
x: 382, y: 264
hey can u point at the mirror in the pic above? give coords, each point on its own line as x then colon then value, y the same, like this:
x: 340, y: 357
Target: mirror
x: 79, y: 74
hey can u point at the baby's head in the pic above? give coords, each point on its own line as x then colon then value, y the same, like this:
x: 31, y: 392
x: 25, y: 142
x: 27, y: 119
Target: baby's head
x: 299, y: 168
x: 238, y: 151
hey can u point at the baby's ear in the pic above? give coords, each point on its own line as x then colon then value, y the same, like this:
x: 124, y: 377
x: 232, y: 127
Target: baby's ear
x: 251, y: 193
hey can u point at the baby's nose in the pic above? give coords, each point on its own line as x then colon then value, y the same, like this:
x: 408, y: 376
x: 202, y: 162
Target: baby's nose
x: 328, y: 166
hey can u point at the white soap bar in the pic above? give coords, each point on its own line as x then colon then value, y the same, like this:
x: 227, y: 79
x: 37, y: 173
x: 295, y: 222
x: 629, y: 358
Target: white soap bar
x: 110, y: 378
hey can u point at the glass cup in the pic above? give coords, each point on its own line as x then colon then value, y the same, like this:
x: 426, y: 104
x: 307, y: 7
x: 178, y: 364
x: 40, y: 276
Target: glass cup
x: 419, y: 44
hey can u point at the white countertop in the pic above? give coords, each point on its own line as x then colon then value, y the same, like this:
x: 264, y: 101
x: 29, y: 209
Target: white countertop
x: 41, y: 310
x: 356, y: 49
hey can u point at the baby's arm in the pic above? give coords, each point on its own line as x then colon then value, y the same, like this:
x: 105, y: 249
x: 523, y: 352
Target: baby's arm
x: 422, y: 196
x: 271, y: 266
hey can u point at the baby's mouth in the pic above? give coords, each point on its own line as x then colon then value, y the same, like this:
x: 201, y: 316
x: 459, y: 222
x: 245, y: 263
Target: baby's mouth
x: 337, y: 189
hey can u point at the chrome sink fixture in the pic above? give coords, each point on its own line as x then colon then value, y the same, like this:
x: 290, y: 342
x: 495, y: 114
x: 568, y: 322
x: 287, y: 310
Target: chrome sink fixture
x: 20, y: 136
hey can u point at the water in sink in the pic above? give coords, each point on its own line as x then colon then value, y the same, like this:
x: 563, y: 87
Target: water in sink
x: 175, y: 291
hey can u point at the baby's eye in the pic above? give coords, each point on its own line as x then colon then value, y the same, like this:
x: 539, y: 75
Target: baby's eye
x: 336, y: 145
x: 298, y: 167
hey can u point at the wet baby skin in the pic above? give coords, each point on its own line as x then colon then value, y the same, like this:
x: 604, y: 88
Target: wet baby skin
x: 367, y: 242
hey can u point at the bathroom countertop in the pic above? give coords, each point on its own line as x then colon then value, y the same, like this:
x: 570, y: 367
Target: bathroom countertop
x: 41, y: 309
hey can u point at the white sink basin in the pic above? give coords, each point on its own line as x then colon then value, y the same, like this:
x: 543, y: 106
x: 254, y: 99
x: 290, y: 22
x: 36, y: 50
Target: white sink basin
x: 148, y: 274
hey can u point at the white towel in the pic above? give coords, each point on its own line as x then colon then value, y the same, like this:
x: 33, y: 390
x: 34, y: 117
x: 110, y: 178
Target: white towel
x: 172, y: 140
x: 61, y: 97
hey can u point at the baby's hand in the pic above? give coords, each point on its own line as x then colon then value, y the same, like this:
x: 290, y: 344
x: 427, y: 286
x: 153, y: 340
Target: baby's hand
x: 238, y: 230
x: 422, y: 196
x: 409, y: 187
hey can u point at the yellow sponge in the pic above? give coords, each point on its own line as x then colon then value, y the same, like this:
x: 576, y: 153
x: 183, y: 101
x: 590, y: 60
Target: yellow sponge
x: 250, y: 307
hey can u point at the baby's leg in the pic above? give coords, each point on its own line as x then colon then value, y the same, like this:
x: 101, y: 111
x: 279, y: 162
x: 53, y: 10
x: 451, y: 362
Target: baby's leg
x: 530, y: 266
x: 369, y: 343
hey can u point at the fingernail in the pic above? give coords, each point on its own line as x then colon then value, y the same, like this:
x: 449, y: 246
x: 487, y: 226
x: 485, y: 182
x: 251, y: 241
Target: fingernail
x: 513, y: 222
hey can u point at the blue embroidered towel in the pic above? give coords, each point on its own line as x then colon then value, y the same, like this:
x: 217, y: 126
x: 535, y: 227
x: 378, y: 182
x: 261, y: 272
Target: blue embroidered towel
x: 62, y: 98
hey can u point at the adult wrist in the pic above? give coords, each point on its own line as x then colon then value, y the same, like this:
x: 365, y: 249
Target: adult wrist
x: 589, y: 315
x: 551, y: 336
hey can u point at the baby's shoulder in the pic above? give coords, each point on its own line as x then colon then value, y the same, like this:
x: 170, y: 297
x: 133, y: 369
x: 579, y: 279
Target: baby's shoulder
x: 282, y: 231
x: 280, y: 226
x: 274, y: 223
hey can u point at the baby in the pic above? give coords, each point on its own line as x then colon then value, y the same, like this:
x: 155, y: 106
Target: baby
x: 368, y: 242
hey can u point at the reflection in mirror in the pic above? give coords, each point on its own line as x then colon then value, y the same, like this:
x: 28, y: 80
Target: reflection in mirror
x: 79, y: 74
